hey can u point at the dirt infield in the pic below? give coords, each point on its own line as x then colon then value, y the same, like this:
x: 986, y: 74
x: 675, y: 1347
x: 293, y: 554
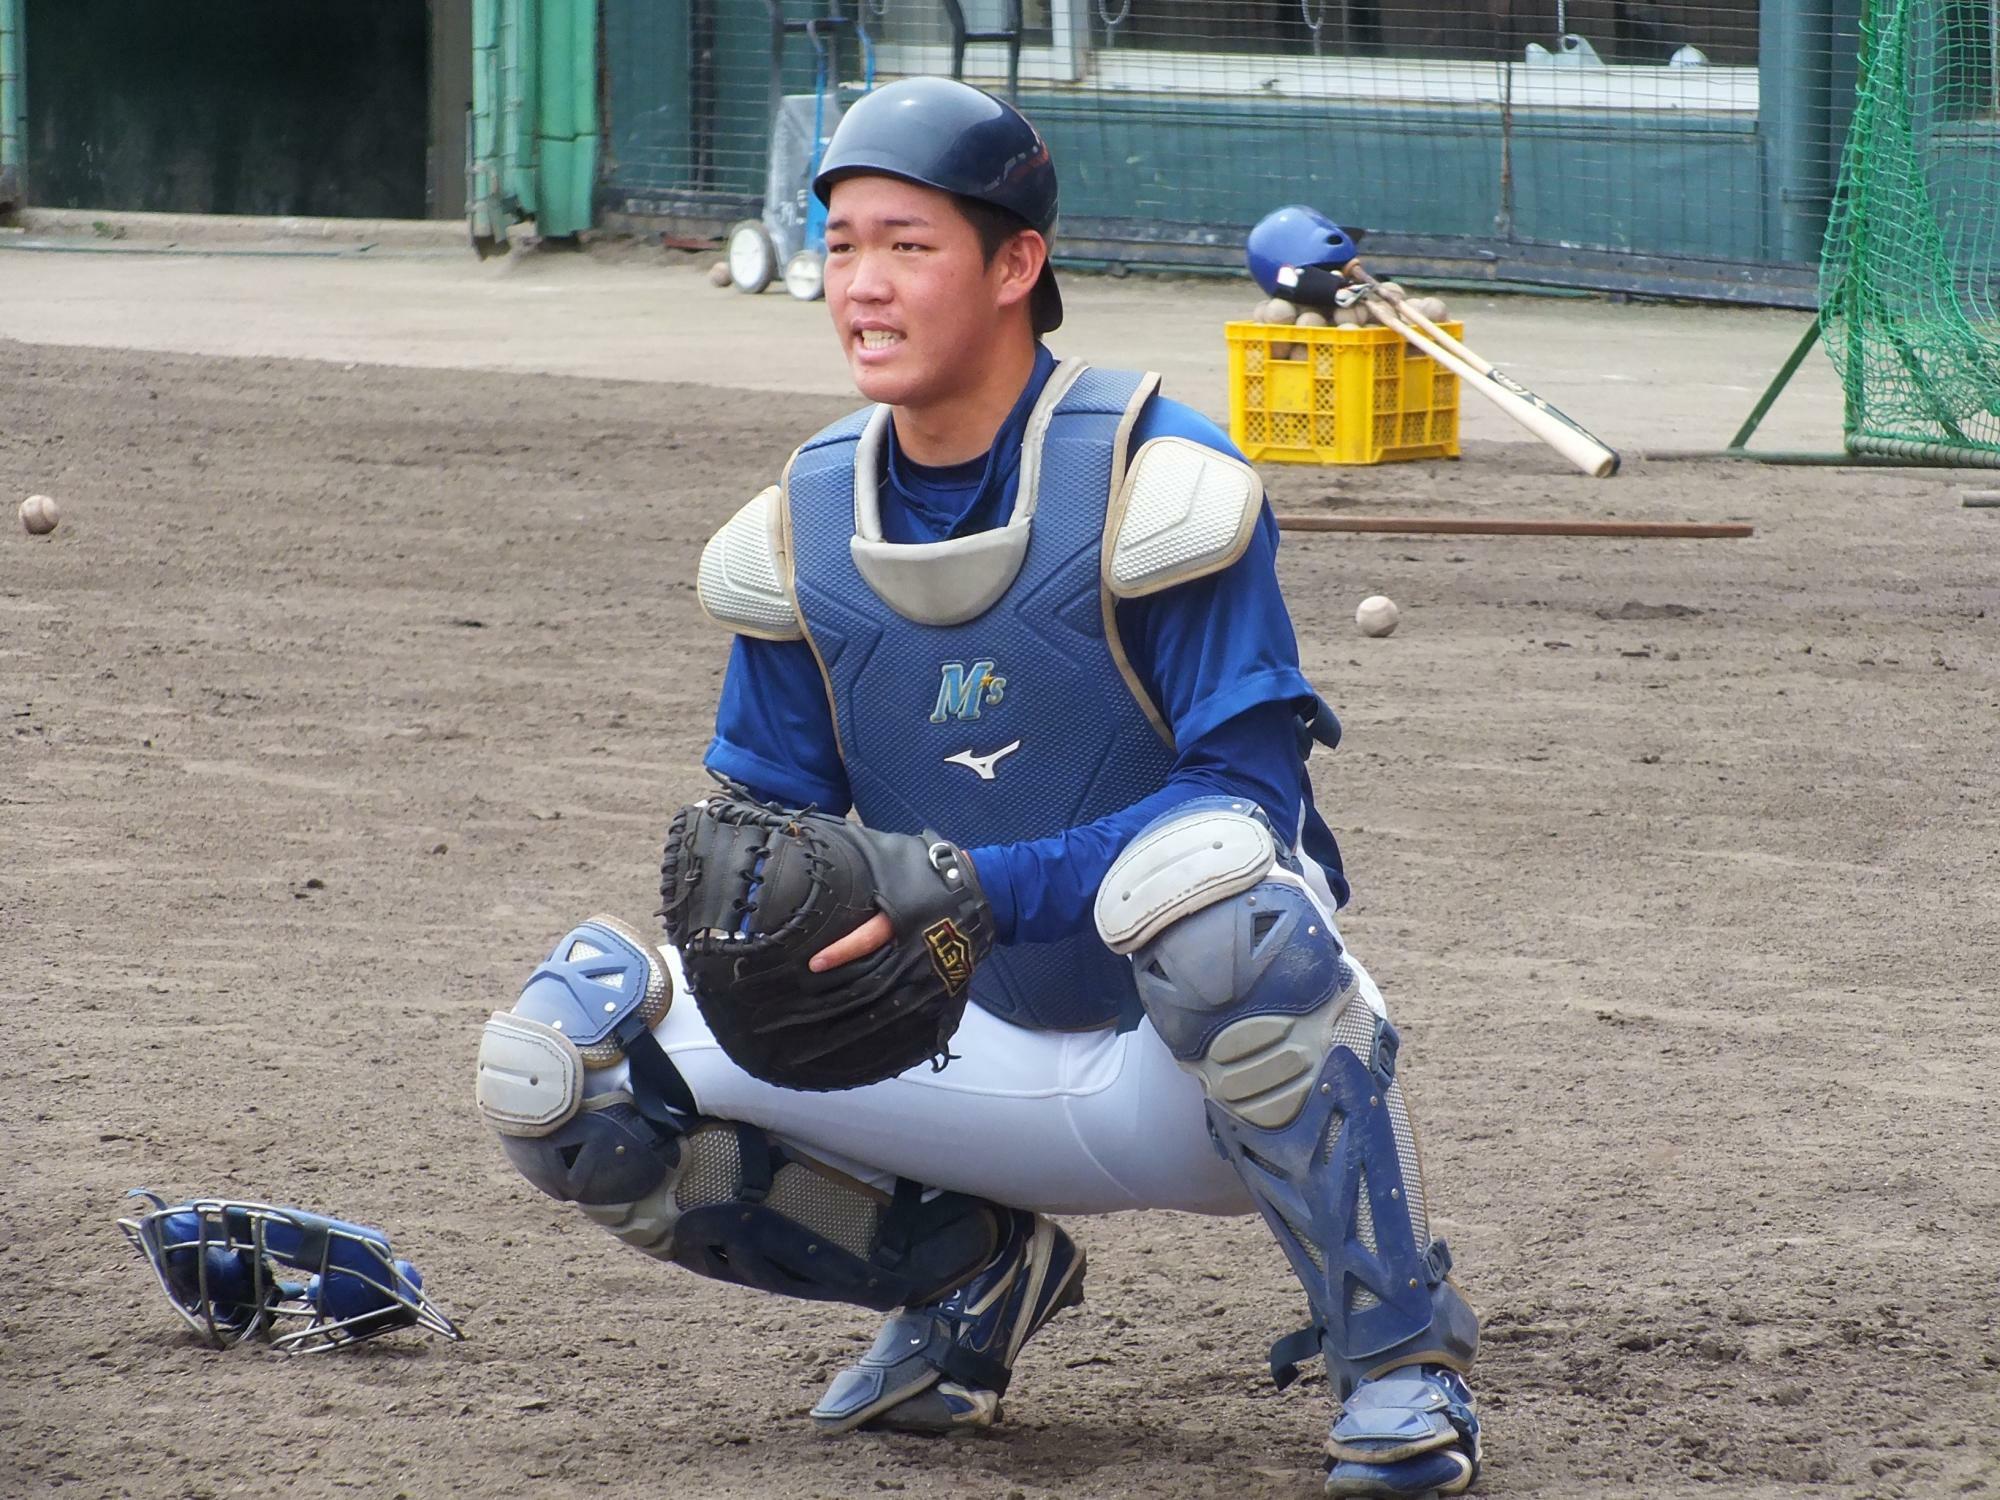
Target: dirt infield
x: 340, y: 692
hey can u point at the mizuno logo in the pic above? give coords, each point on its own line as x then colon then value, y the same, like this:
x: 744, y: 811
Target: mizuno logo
x: 981, y: 765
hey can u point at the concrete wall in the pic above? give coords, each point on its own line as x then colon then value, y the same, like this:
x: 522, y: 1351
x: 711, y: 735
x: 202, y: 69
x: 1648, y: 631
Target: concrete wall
x: 243, y: 106
x: 450, y: 98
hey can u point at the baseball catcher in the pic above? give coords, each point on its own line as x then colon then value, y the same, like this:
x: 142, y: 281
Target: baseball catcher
x: 1015, y: 901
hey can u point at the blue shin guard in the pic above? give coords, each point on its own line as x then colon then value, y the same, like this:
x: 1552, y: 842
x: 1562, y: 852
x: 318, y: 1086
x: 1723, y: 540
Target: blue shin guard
x: 1242, y: 974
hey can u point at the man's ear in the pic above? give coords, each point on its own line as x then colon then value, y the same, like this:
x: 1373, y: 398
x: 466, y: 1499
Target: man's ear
x: 1018, y: 263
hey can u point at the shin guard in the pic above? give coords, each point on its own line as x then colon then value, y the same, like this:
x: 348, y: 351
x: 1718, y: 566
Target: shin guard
x: 1242, y: 974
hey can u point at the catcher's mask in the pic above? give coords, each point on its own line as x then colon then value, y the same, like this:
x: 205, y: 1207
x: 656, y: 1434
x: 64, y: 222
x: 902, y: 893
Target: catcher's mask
x: 221, y: 1262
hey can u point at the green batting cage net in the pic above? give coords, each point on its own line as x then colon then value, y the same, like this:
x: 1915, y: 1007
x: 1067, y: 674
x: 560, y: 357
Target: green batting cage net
x: 1910, y: 281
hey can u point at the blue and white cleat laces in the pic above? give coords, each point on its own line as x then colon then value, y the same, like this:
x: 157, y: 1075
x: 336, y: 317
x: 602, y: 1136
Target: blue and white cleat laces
x: 943, y: 1367
x: 1411, y: 1433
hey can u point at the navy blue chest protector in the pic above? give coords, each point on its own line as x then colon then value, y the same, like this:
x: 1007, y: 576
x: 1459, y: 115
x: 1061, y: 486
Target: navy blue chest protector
x: 1014, y: 724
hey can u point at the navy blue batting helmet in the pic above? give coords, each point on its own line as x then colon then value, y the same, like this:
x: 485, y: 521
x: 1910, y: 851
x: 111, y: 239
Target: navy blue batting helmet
x: 943, y: 134
x: 1294, y: 236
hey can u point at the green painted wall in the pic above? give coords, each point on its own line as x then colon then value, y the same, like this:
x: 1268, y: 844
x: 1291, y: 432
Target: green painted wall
x: 687, y: 94
x: 13, y: 102
x: 1622, y: 184
x: 1964, y: 178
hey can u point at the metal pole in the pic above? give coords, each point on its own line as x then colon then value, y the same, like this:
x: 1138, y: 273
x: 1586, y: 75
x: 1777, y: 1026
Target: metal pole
x: 1794, y: 84
x: 1777, y: 385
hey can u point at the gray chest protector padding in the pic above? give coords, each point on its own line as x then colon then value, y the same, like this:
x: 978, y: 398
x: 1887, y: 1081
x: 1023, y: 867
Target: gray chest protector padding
x: 744, y: 580
x: 1182, y: 511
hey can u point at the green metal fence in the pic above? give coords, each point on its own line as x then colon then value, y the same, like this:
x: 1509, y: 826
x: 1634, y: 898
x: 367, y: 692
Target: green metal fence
x: 1650, y: 145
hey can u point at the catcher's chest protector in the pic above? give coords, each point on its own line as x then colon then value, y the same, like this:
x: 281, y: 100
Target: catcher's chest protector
x: 1014, y: 724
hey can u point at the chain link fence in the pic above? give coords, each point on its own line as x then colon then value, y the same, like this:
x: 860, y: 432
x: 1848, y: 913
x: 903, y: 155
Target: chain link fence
x: 1675, y: 147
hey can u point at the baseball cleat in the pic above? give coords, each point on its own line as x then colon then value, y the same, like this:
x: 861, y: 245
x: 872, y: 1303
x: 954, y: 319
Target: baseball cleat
x: 942, y: 1367
x: 1411, y: 1433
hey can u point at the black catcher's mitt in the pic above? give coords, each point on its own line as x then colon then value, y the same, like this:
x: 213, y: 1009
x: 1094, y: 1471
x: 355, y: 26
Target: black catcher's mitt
x: 753, y: 891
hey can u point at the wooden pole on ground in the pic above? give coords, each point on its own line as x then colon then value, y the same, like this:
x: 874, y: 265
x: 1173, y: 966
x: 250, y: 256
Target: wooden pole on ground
x: 1444, y: 526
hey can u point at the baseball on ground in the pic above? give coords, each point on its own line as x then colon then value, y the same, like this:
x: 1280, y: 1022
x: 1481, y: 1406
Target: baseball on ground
x: 718, y: 274
x: 39, y: 515
x: 1377, y: 615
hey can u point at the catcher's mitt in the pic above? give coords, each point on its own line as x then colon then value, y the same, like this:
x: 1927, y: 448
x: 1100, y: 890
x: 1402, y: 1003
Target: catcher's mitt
x: 753, y: 891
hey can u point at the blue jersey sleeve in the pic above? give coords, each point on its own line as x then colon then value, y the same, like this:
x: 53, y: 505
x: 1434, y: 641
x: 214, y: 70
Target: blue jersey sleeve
x: 1215, y: 646
x: 774, y: 729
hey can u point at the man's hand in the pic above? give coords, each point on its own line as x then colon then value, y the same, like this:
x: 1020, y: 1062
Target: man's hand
x: 861, y: 942
x: 822, y: 954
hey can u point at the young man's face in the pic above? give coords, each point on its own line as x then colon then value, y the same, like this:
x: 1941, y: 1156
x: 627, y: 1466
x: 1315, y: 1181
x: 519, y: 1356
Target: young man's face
x: 913, y: 300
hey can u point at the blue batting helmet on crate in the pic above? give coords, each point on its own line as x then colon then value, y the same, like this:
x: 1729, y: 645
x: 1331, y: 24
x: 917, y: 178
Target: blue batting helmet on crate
x: 1295, y: 236
x: 943, y: 134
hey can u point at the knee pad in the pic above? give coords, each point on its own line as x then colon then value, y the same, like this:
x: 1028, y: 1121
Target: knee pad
x: 1243, y: 976
x: 723, y: 1200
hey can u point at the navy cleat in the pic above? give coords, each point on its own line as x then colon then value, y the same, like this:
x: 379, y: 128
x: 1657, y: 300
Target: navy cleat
x: 1411, y: 1433
x: 943, y: 1366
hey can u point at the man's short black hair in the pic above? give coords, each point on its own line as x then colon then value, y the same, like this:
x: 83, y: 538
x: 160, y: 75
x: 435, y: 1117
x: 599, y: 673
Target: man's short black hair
x: 994, y: 226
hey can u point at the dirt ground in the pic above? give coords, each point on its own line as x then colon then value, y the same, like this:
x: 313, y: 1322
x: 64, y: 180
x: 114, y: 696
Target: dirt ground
x: 341, y: 691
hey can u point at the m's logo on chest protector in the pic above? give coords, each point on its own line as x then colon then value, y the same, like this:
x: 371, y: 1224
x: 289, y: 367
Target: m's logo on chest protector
x: 965, y: 690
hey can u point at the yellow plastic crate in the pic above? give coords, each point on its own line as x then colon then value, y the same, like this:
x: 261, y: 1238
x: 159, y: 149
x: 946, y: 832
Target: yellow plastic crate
x: 1351, y: 396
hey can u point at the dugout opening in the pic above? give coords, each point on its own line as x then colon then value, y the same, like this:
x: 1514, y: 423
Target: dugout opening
x: 323, y: 108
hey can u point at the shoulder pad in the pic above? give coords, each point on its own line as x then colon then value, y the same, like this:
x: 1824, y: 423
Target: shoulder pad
x: 742, y: 582
x: 1184, y: 511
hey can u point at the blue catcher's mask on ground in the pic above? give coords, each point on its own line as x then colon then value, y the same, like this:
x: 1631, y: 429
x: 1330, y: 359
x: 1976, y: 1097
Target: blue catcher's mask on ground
x: 1295, y: 236
x: 221, y: 1264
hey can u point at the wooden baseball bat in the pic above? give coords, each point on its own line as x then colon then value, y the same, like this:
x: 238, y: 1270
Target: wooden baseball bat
x: 1560, y: 431
x: 1412, y: 314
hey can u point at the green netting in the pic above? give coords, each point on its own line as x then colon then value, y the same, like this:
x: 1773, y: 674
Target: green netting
x: 1910, y: 279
